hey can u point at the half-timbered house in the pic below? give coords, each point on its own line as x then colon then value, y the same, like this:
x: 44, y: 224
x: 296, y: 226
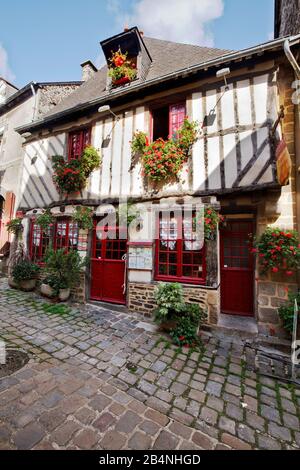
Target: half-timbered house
x: 232, y: 168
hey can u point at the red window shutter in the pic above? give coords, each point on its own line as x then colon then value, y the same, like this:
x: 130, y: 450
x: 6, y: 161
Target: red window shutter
x: 177, y: 114
x: 7, y: 215
x: 77, y: 142
x: 86, y: 138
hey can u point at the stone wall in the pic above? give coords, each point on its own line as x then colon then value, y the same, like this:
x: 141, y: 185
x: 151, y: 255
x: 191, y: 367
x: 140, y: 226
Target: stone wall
x: 287, y: 17
x: 272, y: 294
x: 278, y: 210
x: 141, y: 299
x: 52, y: 95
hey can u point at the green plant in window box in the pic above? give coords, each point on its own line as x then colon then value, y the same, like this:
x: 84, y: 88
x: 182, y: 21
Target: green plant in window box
x: 15, y: 226
x: 83, y: 216
x: 45, y: 220
x: 121, y: 70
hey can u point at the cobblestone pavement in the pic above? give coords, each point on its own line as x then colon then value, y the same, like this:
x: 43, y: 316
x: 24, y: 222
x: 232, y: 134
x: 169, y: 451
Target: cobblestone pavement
x: 100, y: 379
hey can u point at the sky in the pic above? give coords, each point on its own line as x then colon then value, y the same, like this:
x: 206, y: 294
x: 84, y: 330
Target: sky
x: 47, y: 40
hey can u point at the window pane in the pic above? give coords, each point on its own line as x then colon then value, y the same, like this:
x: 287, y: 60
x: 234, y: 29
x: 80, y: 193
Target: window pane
x: 172, y: 270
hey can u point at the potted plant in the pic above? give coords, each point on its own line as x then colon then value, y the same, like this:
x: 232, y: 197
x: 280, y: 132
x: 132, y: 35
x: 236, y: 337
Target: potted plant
x: 15, y: 226
x: 83, y: 216
x: 121, y: 69
x: 169, y: 299
x: 54, y: 286
x: 45, y: 219
x: 24, y: 275
x: 62, y: 273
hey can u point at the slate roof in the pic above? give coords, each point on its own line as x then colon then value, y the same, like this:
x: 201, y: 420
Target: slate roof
x: 167, y: 57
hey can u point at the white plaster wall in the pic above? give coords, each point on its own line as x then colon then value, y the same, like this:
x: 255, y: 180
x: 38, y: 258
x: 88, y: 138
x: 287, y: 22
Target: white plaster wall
x: 11, y: 148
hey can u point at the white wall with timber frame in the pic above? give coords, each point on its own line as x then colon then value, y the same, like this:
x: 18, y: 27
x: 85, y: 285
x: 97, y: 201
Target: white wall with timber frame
x: 233, y: 152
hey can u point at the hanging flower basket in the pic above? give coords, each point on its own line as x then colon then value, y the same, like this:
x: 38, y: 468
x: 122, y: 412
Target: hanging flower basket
x: 71, y: 176
x: 212, y: 220
x: 278, y: 250
x: 164, y: 159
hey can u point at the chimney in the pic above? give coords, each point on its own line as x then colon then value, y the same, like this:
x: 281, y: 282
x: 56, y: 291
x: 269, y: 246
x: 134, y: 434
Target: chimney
x: 141, y: 33
x: 88, y: 70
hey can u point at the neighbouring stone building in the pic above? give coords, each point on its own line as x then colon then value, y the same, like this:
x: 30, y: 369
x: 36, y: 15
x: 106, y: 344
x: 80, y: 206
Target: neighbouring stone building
x: 236, y: 98
x: 287, y: 17
x: 20, y: 107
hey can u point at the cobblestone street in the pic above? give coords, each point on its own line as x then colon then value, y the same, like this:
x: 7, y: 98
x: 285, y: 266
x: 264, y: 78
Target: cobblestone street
x: 100, y: 379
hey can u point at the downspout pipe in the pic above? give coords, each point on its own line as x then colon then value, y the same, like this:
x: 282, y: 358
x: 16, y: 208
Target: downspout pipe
x: 291, y: 58
x: 32, y: 86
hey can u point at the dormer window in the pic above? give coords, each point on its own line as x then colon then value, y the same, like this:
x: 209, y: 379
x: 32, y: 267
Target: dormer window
x: 78, y: 140
x: 122, y: 68
x: 127, y: 58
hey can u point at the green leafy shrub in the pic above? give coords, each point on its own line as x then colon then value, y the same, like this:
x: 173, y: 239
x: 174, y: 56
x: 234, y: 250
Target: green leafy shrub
x: 286, y: 312
x: 139, y: 142
x: 169, y: 299
x: 89, y: 161
x: 45, y: 219
x: 185, y: 333
x: 83, y: 216
x: 24, y: 271
x: 187, y: 135
x: 63, y: 268
x: 15, y: 226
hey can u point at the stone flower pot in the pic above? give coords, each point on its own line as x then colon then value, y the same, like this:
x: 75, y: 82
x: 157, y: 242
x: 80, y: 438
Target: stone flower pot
x: 27, y: 285
x: 12, y: 283
x: 47, y: 291
x: 64, y: 294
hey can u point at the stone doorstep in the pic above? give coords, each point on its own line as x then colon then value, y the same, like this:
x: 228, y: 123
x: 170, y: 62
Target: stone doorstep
x: 274, y: 342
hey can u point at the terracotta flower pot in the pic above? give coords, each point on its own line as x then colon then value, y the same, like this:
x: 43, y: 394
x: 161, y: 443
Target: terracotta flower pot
x: 121, y: 81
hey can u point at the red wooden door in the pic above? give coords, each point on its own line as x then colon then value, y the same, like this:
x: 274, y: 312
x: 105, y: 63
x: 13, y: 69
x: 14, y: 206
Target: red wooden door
x: 237, y: 273
x: 108, y: 267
